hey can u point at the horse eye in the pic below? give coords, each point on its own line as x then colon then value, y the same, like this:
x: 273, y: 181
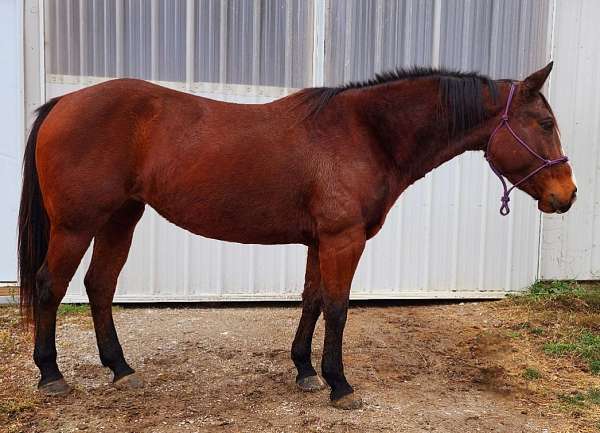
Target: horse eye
x: 547, y: 124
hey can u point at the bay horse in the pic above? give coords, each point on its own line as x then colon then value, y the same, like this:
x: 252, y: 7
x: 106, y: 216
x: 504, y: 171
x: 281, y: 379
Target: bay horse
x: 321, y: 167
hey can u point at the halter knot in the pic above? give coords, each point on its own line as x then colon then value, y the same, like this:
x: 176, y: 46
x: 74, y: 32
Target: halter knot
x: 504, y: 209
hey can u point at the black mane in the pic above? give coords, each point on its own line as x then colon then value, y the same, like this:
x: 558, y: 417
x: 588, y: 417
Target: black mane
x: 460, y: 93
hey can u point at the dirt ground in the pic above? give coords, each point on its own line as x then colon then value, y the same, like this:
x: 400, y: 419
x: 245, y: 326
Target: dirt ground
x: 419, y: 368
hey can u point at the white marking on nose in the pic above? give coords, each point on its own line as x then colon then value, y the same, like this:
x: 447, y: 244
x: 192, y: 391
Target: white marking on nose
x: 562, y: 152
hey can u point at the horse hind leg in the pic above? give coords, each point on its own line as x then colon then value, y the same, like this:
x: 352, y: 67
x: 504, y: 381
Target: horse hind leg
x: 65, y: 251
x: 307, y: 378
x: 111, y: 247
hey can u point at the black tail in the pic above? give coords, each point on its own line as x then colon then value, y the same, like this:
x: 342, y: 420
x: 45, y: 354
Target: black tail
x: 33, y: 221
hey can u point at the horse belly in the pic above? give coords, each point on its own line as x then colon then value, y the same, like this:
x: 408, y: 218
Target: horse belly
x: 244, y: 216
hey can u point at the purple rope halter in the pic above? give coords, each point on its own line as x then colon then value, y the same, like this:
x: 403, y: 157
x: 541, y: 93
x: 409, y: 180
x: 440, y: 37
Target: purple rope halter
x: 504, y: 209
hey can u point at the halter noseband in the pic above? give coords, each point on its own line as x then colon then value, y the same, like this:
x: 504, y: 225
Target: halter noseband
x: 504, y: 209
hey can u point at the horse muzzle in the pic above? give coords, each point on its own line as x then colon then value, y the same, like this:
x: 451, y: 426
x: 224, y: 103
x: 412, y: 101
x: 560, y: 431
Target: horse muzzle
x: 554, y: 203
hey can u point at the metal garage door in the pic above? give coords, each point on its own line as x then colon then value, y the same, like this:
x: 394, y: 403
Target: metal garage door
x: 443, y: 239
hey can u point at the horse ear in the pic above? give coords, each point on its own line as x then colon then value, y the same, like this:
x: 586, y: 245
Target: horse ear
x: 535, y: 81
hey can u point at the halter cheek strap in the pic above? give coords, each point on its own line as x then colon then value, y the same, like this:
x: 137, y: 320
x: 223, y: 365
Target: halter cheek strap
x: 504, y: 209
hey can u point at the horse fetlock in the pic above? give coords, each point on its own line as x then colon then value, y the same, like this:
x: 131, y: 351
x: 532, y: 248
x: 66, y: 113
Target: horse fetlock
x: 45, y: 359
x: 115, y: 361
x: 333, y: 375
x: 339, y: 387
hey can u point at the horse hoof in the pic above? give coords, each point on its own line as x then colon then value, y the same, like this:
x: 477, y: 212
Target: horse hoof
x: 131, y: 381
x: 348, y: 402
x: 310, y: 383
x: 55, y: 388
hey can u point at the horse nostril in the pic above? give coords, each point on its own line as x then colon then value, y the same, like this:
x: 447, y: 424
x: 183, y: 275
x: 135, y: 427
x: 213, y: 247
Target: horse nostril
x: 574, y: 196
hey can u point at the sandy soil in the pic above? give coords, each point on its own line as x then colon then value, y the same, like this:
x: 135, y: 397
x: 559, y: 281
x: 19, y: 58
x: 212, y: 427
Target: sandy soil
x: 419, y: 368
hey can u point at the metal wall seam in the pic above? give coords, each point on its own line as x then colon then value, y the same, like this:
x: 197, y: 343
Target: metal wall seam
x: 318, y: 59
x: 223, y: 44
x: 119, y: 24
x: 256, y: 44
x: 288, y: 55
x: 154, y: 35
x: 190, y: 31
x: 83, y: 42
x: 551, y: 19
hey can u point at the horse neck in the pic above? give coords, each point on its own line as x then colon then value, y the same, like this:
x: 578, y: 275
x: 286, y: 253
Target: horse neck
x: 405, y: 121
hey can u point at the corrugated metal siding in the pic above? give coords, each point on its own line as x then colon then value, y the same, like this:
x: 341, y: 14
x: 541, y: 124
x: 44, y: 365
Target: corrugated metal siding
x: 571, y: 242
x: 368, y: 36
x: 445, y: 233
x: 444, y: 238
x: 11, y: 121
x: 223, y: 41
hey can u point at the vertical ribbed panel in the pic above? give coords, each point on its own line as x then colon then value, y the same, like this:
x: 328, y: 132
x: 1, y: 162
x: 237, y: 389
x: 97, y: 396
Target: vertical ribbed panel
x: 11, y: 121
x: 368, y: 36
x: 137, y: 39
x: 445, y: 233
x: 255, y: 42
x: 444, y: 238
x: 571, y: 242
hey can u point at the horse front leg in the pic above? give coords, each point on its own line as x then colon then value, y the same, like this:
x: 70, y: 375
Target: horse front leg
x: 307, y: 378
x: 338, y: 257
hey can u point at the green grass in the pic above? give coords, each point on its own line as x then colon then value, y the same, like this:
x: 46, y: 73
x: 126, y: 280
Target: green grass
x: 559, y: 349
x: 552, y: 289
x: 576, y: 308
x: 73, y: 310
x: 594, y: 395
x: 79, y: 309
x: 591, y: 396
x: 13, y: 407
x: 562, y: 294
x: 573, y: 400
x: 531, y: 374
x: 537, y: 331
x: 586, y: 345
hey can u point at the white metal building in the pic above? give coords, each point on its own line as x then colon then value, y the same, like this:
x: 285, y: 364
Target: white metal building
x: 443, y: 239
